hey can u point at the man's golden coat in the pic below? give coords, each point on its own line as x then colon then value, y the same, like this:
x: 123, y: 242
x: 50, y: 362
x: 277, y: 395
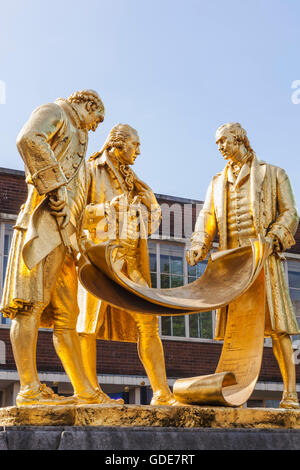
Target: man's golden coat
x: 274, y: 211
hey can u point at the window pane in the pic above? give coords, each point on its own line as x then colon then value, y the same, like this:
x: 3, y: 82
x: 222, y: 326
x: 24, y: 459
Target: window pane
x: 201, y: 325
x: 153, y: 280
x: 6, y: 244
x: 176, y: 265
x: 176, y: 281
x: 294, y: 279
x: 194, y: 320
x: 201, y: 268
x: 166, y: 326
x: 192, y: 270
x: 198, y: 270
x: 4, y: 269
x: 206, y: 325
x: 164, y: 281
x: 191, y: 279
x: 272, y: 403
x: 164, y: 264
x: 152, y: 263
x: 295, y: 294
x: 178, y: 326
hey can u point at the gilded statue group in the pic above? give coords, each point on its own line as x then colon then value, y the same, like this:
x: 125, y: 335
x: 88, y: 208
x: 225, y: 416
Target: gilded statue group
x: 70, y: 206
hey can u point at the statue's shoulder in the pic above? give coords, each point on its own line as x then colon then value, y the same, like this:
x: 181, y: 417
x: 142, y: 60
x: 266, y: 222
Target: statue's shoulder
x: 277, y: 172
x: 97, y: 159
x: 219, y: 175
x: 52, y: 108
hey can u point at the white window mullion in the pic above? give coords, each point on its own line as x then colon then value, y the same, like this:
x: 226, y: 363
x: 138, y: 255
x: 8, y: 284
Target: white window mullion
x: 187, y: 326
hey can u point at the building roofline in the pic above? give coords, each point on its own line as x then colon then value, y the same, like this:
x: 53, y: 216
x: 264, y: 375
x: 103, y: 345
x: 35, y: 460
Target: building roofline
x: 10, y: 171
x: 167, y: 197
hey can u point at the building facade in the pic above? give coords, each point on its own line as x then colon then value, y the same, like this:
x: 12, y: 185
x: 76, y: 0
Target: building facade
x: 189, y: 347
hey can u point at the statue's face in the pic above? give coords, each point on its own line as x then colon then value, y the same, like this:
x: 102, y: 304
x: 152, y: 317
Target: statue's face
x: 92, y: 117
x: 228, y: 146
x: 131, y: 150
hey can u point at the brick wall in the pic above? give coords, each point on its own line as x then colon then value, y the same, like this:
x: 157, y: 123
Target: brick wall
x: 13, y: 191
x: 183, y: 358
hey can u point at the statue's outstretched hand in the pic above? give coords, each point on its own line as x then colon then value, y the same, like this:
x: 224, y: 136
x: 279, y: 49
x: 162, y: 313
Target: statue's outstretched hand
x: 196, y: 253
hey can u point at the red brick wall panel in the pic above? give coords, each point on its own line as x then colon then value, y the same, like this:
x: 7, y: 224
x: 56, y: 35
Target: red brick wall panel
x: 183, y: 359
x: 13, y: 193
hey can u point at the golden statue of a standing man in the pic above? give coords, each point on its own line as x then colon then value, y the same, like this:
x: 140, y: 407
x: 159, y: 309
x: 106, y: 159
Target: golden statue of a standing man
x: 247, y: 199
x: 41, y: 282
x: 123, y: 208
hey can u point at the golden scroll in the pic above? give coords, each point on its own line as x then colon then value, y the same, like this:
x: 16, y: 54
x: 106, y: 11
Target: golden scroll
x: 233, y: 277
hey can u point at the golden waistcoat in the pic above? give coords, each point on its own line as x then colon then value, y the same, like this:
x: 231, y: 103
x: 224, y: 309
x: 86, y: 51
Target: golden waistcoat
x: 240, y: 225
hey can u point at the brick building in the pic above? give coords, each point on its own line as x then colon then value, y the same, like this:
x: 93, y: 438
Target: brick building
x: 188, y: 340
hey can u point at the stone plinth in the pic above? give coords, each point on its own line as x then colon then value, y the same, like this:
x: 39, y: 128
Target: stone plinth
x: 147, y: 428
x: 150, y: 416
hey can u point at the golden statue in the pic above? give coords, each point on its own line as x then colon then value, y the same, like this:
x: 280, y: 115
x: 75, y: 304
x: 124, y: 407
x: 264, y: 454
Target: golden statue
x: 41, y: 282
x: 120, y: 206
x: 248, y: 199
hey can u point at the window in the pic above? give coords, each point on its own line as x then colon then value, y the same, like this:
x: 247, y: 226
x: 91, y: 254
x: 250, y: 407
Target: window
x: 171, y: 275
x: 272, y: 403
x: 153, y: 269
x: 6, y: 231
x: 201, y: 325
x: 294, y: 284
x: 169, y: 269
x: 294, y: 288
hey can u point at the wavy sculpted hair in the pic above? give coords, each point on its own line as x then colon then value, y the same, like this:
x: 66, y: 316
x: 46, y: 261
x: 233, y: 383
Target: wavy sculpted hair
x: 238, y: 132
x: 90, y: 97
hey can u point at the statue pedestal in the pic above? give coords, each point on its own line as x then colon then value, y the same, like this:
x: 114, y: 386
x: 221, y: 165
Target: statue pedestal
x: 139, y: 427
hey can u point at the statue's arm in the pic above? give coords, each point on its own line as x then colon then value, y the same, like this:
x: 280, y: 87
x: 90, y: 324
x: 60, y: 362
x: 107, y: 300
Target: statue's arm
x: 286, y: 223
x: 150, y: 208
x: 94, y: 211
x: 205, y: 230
x: 33, y: 143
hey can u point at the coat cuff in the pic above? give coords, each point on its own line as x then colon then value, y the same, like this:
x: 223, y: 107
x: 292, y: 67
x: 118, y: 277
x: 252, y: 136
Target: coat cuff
x: 284, y: 236
x: 202, y: 238
x: 48, y: 179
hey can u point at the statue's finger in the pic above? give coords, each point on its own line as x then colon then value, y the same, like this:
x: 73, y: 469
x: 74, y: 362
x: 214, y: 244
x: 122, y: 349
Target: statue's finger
x: 66, y: 220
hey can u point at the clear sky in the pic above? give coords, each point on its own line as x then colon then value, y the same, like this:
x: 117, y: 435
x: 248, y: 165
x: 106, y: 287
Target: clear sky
x: 174, y: 70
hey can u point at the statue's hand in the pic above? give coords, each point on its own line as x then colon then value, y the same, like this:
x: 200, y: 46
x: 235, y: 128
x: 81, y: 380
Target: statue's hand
x: 274, y: 243
x: 85, y: 243
x: 58, y: 203
x: 119, y: 203
x: 196, y: 253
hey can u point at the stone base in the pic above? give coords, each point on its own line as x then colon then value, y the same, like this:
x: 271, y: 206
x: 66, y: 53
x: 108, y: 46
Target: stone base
x: 150, y: 416
x: 145, y: 439
x: 139, y: 427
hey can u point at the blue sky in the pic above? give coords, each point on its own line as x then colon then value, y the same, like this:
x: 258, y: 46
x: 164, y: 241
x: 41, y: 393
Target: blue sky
x: 174, y: 70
